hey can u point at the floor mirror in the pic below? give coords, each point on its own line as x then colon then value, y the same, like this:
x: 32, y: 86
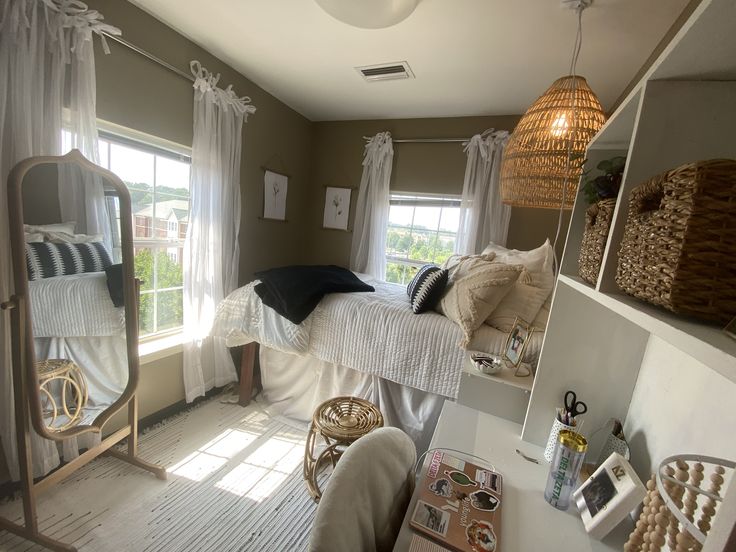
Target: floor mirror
x: 74, y: 318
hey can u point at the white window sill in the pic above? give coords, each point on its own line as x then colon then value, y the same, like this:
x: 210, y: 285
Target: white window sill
x: 158, y: 348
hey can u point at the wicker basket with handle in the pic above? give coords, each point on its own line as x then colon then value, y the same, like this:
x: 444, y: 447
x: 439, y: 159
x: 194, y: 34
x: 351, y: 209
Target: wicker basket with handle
x: 679, y: 244
x: 597, y: 224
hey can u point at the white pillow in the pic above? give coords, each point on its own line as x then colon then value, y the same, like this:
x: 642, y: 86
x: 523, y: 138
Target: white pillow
x: 33, y: 237
x: 64, y: 227
x: 530, y: 291
x: 62, y: 237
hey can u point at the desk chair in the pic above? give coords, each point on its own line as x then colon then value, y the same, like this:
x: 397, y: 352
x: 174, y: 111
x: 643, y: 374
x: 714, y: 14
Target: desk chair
x: 365, y: 501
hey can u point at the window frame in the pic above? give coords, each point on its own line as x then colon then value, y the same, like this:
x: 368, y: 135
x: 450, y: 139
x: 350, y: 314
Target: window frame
x: 110, y: 134
x: 414, y: 199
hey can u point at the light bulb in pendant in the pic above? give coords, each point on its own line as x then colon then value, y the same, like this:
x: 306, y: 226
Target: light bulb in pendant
x: 560, y: 126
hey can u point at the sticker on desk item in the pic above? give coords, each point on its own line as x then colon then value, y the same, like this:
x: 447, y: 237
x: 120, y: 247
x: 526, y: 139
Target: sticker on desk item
x: 483, y: 500
x: 453, y: 462
x: 420, y: 544
x: 460, y: 478
x: 431, y: 518
x: 488, y: 480
x: 441, y: 487
x: 481, y: 536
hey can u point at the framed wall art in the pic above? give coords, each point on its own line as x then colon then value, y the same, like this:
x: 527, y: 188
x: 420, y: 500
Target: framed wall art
x: 275, y: 188
x: 337, y: 208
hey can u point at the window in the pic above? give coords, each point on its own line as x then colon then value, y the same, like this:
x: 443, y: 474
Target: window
x: 158, y: 181
x: 421, y: 229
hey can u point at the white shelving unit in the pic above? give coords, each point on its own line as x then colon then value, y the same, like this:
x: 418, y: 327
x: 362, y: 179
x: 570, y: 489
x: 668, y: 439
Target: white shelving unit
x: 683, y: 110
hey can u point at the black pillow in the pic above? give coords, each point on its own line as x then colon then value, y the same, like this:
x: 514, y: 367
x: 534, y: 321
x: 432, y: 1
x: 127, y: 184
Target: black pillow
x: 294, y: 291
x: 426, y: 288
x: 47, y: 259
x: 115, y: 284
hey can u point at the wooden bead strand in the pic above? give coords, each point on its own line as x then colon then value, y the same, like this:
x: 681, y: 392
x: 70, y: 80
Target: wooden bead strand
x: 709, y: 507
x: 636, y: 538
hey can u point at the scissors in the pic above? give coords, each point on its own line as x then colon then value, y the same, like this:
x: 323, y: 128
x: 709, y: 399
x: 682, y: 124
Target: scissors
x: 573, y: 406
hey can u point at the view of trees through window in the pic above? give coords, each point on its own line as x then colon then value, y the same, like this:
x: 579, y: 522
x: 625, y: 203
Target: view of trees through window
x: 159, y: 188
x: 421, y: 230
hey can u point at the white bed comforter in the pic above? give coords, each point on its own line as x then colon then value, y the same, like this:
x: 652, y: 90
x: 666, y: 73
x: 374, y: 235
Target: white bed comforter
x: 375, y: 333
x: 77, y: 305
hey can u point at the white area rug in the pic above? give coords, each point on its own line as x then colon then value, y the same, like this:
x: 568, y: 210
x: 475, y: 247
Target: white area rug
x: 235, y: 484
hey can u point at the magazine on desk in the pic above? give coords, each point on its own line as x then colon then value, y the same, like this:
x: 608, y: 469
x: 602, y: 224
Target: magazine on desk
x: 459, y: 504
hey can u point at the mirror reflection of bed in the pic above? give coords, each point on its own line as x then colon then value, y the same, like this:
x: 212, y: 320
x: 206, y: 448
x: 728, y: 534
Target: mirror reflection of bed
x: 74, y: 285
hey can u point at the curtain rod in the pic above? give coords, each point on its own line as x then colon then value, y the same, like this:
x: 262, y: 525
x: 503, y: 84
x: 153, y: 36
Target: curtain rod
x: 424, y: 140
x: 150, y: 56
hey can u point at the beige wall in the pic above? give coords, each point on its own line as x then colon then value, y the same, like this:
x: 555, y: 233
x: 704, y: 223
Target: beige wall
x: 337, y: 151
x: 136, y: 93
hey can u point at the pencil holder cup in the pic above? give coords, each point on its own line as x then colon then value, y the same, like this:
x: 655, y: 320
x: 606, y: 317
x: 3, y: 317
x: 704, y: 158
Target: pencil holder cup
x: 614, y: 444
x: 554, y: 433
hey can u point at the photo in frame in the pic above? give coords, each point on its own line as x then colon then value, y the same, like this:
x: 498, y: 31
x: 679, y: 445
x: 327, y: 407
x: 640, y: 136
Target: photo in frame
x: 275, y: 188
x: 337, y: 208
x: 516, y: 343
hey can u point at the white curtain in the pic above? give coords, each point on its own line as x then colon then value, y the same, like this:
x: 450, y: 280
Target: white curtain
x: 211, y: 250
x: 483, y: 217
x: 368, y: 250
x: 46, y: 56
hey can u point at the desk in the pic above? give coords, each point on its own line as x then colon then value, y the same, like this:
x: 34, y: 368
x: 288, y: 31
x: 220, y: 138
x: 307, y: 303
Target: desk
x: 529, y: 523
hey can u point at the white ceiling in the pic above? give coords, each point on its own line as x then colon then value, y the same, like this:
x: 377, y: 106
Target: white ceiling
x: 470, y: 57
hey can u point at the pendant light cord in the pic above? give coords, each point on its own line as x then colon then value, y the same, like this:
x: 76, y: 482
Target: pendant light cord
x: 571, y: 139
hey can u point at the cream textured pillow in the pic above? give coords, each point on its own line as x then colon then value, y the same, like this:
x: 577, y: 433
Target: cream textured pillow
x: 540, y: 322
x: 453, y: 262
x: 530, y: 291
x: 478, y: 286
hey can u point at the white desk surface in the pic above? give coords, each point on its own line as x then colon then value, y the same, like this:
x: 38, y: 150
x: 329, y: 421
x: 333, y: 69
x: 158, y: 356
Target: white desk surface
x: 529, y: 523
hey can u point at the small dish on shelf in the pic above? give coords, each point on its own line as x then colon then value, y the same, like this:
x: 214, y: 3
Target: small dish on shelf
x: 486, y: 363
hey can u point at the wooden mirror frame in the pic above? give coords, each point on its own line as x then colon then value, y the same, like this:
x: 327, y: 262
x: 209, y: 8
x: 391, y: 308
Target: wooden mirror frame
x: 23, y: 349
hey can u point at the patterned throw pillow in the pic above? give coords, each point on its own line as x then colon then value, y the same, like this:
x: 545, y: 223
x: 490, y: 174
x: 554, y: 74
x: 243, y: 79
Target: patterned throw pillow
x: 426, y: 288
x: 46, y: 259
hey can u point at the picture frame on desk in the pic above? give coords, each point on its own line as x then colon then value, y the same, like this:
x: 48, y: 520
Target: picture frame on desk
x: 516, y: 343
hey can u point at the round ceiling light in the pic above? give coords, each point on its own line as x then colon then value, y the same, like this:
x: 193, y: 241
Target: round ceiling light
x: 369, y: 14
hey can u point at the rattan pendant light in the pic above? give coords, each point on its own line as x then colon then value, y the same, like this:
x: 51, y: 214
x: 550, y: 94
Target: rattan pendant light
x: 544, y: 156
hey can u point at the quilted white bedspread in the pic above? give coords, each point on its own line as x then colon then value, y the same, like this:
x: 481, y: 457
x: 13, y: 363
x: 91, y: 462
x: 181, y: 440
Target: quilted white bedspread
x: 376, y: 333
x: 77, y: 305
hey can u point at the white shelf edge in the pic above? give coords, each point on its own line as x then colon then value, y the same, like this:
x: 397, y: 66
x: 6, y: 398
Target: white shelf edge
x: 706, y: 344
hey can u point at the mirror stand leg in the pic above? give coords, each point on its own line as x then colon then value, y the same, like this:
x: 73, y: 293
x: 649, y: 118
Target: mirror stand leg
x: 131, y: 456
x: 29, y: 530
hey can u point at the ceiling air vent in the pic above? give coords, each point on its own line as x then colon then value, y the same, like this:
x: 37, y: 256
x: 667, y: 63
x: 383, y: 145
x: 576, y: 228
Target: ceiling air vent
x: 386, y: 71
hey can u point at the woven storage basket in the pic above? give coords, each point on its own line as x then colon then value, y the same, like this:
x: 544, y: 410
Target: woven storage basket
x: 597, y: 224
x: 679, y: 244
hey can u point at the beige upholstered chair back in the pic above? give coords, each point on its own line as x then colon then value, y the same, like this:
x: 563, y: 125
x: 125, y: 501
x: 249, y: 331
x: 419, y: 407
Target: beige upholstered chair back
x: 367, y: 495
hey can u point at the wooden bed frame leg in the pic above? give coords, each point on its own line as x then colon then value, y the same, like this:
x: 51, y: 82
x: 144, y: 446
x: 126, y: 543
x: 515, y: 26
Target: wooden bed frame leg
x: 247, y: 367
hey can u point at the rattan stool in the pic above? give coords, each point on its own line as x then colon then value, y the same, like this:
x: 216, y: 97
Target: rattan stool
x: 66, y: 379
x: 340, y: 421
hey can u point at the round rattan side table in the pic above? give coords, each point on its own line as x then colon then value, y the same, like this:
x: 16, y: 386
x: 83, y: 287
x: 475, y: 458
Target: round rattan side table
x: 63, y: 390
x: 340, y: 422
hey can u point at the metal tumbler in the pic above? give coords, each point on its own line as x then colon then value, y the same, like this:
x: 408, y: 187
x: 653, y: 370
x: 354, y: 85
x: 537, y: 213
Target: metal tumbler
x: 565, y: 468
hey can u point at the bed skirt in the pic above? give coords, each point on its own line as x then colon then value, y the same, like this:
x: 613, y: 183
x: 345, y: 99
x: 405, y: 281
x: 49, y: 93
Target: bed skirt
x: 294, y: 385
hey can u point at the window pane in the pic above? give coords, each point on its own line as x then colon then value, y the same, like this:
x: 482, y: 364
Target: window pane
x: 104, y: 160
x: 427, y: 217
x: 133, y: 166
x: 145, y: 314
x: 398, y: 242
x: 450, y: 221
x: 169, y: 309
x: 143, y: 259
x: 172, y: 198
x: 422, y: 247
x: 169, y: 263
x: 400, y: 215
